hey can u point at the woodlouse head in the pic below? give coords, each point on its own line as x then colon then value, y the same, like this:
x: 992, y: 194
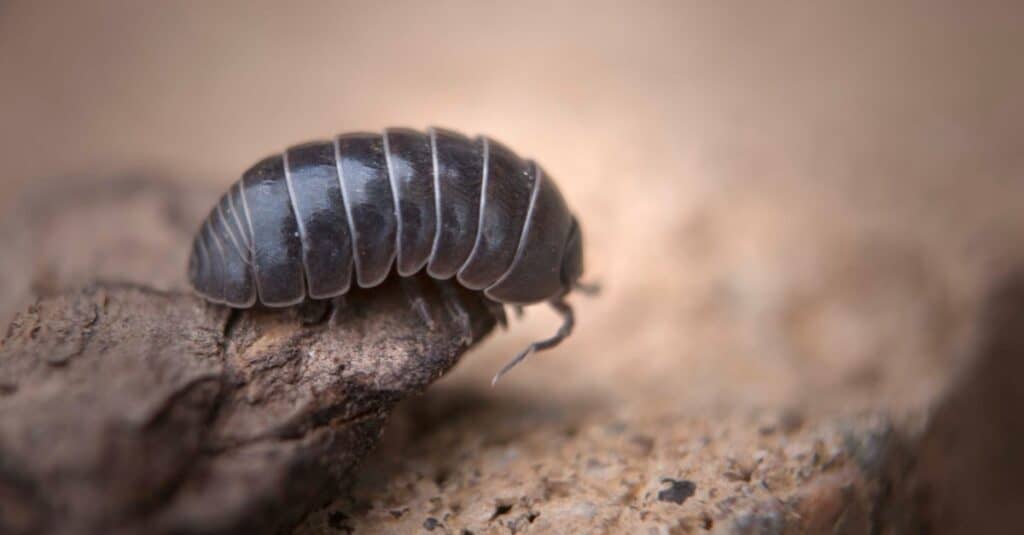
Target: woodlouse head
x: 572, y: 260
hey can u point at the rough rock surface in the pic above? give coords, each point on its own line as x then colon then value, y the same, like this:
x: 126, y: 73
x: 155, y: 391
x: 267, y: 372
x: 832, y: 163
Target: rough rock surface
x: 678, y: 473
x: 129, y: 409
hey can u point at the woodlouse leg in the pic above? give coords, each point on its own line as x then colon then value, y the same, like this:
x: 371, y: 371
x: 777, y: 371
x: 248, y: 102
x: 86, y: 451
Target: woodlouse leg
x: 453, y: 304
x: 498, y: 311
x: 520, y: 310
x: 413, y: 289
x: 338, y: 306
x: 568, y: 321
x: 314, y: 312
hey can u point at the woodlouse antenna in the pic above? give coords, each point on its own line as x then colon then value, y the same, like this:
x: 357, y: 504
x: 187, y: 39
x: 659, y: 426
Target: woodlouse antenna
x: 588, y: 289
x: 568, y: 321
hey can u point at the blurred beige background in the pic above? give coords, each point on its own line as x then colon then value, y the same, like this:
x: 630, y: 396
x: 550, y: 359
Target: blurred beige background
x: 786, y: 204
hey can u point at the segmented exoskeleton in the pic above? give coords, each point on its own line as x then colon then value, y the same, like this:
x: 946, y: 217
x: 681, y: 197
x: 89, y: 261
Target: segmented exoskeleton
x: 303, y: 223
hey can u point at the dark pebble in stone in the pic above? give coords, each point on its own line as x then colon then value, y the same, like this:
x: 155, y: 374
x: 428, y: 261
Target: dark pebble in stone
x: 678, y: 490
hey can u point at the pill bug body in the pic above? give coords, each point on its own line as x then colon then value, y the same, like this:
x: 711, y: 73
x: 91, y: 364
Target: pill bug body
x: 327, y: 215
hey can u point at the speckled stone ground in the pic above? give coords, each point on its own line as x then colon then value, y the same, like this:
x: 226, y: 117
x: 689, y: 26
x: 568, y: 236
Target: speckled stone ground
x: 779, y: 472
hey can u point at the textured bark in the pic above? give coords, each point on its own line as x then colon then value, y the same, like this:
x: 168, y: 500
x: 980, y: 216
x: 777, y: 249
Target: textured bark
x: 125, y: 408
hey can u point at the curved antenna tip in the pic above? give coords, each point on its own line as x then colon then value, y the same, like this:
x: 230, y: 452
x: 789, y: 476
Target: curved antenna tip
x: 512, y: 363
x: 563, y: 309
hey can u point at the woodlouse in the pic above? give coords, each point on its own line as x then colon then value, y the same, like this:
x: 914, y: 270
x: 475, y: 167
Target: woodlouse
x: 299, y: 224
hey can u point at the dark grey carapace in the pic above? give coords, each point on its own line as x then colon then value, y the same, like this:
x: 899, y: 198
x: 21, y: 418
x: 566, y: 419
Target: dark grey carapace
x: 322, y: 216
